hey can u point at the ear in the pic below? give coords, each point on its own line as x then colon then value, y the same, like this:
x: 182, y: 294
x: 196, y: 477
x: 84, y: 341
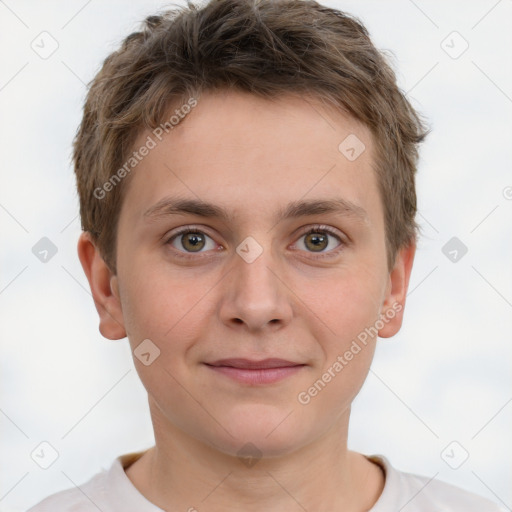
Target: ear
x: 104, y: 288
x: 393, y: 306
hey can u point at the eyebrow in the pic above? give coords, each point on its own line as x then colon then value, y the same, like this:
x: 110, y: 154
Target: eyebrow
x: 301, y: 208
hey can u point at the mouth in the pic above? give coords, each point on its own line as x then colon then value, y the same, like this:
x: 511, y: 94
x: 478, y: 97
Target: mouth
x: 247, y: 371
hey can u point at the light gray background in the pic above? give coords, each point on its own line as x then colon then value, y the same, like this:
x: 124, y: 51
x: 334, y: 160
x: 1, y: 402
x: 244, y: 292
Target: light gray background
x: 445, y: 377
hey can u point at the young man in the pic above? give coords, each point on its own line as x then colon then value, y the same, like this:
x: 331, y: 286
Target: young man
x: 246, y: 181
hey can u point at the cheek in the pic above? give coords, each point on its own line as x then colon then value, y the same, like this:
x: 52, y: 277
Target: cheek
x: 349, y: 352
x: 166, y: 314
x: 344, y: 306
x: 156, y: 307
x: 347, y: 313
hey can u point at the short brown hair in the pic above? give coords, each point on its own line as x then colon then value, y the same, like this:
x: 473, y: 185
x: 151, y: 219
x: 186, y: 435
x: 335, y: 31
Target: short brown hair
x: 268, y: 48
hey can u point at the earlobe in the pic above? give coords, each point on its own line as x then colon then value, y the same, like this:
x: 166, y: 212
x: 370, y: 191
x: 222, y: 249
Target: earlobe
x: 394, y: 303
x: 104, y: 288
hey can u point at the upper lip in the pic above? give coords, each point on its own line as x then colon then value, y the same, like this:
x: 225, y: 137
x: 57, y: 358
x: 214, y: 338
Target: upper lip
x: 254, y: 364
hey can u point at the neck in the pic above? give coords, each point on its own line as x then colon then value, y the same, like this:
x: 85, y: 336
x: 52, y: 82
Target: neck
x: 182, y: 473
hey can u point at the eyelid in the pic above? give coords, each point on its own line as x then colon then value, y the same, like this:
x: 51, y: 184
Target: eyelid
x: 323, y: 227
x: 191, y: 228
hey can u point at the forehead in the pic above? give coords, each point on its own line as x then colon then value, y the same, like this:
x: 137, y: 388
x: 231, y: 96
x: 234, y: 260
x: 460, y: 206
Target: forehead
x: 246, y: 153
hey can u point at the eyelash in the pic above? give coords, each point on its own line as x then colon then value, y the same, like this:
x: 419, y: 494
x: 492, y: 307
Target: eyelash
x: 320, y: 228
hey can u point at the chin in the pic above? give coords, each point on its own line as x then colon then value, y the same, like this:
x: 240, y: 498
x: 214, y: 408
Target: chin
x: 264, y: 430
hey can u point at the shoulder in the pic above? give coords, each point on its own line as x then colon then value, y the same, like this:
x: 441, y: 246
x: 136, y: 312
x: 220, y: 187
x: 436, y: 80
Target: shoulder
x: 106, y: 491
x: 415, y: 493
x: 88, y: 497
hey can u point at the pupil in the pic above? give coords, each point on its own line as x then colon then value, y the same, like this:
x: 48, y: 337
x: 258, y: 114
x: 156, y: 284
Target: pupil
x: 194, y: 240
x: 317, y: 241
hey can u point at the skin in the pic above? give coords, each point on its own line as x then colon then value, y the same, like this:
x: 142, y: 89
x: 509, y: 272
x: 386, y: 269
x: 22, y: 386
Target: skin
x: 251, y: 156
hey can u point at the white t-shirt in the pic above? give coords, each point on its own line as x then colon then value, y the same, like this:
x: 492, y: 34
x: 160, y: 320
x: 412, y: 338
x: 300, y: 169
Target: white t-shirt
x: 112, y: 491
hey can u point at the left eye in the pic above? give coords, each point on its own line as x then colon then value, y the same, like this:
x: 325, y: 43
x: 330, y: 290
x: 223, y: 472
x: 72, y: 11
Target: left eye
x: 317, y: 239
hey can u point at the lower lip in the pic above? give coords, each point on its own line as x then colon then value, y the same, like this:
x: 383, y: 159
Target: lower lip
x: 257, y: 376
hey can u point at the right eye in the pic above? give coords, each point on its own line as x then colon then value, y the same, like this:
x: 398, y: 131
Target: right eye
x: 192, y: 240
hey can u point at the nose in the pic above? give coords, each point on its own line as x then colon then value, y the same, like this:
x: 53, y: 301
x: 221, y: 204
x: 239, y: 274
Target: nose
x: 255, y: 295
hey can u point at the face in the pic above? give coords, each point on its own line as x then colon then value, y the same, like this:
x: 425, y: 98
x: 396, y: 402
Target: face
x: 259, y: 331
